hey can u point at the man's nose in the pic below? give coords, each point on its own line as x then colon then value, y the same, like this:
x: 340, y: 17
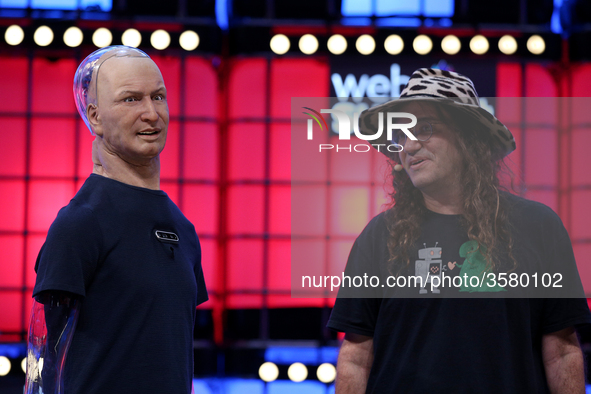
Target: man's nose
x: 150, y: 114
x: 412, y: 146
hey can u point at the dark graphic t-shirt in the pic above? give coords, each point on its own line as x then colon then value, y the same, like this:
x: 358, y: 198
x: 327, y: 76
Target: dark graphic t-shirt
x: 426, y: 342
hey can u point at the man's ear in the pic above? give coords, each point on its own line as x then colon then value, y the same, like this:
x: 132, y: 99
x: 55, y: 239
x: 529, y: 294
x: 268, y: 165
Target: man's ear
x: 94, y: 118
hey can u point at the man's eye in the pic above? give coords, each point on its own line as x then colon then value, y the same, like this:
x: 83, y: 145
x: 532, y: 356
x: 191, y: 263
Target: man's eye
x: 159, y: 97
x: 129, y: 99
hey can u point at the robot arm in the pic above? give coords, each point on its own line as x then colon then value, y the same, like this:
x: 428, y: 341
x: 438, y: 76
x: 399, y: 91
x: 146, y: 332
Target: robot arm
x: 53, y: 321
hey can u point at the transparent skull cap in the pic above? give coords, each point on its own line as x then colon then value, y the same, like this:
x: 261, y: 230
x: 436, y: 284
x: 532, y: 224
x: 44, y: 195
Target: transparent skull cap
x: 89, y: 67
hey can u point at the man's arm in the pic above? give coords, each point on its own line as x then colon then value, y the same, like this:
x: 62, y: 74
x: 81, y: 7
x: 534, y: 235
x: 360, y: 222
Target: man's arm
x: 354, y: 363
x: 563, y: 362
x: 53, y: 320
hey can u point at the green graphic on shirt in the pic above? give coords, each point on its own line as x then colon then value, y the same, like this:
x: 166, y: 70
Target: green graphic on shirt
x: 475, y: 265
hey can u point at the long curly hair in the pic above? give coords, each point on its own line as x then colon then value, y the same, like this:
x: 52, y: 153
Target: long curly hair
x: 484, y: 210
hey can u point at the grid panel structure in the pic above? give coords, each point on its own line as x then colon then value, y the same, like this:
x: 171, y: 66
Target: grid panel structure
x: 227, y: 166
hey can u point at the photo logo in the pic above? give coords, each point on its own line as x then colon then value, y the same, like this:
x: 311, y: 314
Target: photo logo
x: 344, y: 129
x: 316, y: 118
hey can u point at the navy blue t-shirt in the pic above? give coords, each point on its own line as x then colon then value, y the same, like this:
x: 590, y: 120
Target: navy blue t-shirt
x: 139, y: 291
x: 430, y: 343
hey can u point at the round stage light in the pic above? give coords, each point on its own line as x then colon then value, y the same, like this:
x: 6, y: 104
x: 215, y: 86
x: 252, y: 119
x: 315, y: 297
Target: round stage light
x: 308, y: 44
x: 24, y: 365
x: 479, y: 44
x: 4, y: 366
x: 451, y: 44
x: 102, y: 37
x: 337, y: 44
x: 14, y: 35
x: 536, y: 45
x: 189, y: 40
x: 394, y: 44
x: 422, y: 44
x: 326, y: 373
x: 268, y: 372
x: 297, y: 372
x: 73, y: 37
x: 160, y: 39
x: 365, y: 44
x: 507, y: 45
x: 280, y: 44
x: 131, y: 38
x: 43, y: 36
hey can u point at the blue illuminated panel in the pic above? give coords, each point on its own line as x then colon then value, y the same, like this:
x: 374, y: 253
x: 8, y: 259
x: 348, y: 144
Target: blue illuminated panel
x: 428, y: 8
x: 103, y: 5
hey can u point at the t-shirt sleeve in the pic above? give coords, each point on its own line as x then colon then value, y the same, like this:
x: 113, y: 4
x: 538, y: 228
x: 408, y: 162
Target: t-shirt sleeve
x: 71, y: 252
x: 563, y: 311
x: 353, y: 314
x: 202, y: 295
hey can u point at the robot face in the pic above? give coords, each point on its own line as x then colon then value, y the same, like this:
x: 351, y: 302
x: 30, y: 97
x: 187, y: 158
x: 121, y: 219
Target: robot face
x: 430, y: 253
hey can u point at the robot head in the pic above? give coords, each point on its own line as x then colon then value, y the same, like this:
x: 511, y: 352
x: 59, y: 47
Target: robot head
x: 85, y: 79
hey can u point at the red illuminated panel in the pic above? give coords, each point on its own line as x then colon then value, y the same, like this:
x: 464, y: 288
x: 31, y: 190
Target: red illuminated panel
x: 381, y: 170
x: 11, y: 269
x: 13, y: 79
x: 246, y: 144
x: 247, y: 88
x: 200, y: 88
x: 12, y: 149
x: 296, y: 78
x: 52, y: 81
x: 169, y: 158
x: 10, y: 319
x: 245, y: 271
x: 34, y: 243
x: 12, y: 209
x: 52, y: 147
x: 348, y: 165
x: 171, y: 188
x: 538, y: 81
x: 245, y: 210
x: 279, y: 265
x: 84, y: 150
x: 170, y: 67
x: 209, y: 258
x: 200, y: 151
x: 581, y: 77
x: 201, y: 207
x: 349, y: 210
x: 309, y: 210
x: 280, y: 210
x: 280, y: 154
x: 581, y: 215
x: 46, y: 199
x: 541, y: 161
x: 581, y: 162
x: 509, y: 80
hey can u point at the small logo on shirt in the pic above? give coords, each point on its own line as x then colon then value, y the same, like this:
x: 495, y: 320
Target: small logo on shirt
x: 166, y: 236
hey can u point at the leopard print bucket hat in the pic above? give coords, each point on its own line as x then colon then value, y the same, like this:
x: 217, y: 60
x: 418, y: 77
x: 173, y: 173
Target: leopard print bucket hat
x: 445, y: 88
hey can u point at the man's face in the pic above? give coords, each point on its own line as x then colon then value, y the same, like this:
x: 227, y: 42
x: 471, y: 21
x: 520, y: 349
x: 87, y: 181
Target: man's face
x: 132, y: 111
x: 434, y: 165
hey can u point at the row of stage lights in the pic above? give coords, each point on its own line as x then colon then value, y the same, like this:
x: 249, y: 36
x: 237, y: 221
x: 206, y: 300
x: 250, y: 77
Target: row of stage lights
x: 280, y: 43
x: 394, y: 44
x: 102, y: 37
x: 297, y: 372
x: 268, y: 371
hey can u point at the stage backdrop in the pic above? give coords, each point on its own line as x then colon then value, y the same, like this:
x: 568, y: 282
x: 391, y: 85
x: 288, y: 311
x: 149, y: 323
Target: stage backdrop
x: 227, y: 164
